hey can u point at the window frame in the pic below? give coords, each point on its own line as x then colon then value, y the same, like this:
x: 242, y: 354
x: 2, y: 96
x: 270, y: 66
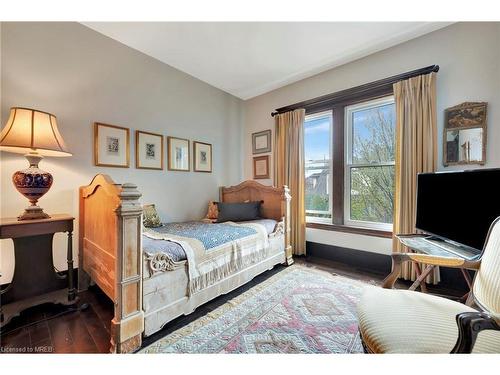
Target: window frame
x: 314, y: 219
x: 349, y: 165
x: 337, y: 159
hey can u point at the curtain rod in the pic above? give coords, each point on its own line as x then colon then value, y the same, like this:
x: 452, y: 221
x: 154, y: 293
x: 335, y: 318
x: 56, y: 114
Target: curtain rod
x: 356, y: 91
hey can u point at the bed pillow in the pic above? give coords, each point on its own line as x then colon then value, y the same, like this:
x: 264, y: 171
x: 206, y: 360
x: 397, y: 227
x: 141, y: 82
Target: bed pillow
x: 212, y: 212
x: 150, y: 218
x: 238, y: 211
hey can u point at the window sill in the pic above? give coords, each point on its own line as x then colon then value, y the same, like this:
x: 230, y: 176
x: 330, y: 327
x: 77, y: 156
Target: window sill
x: 349, y: 229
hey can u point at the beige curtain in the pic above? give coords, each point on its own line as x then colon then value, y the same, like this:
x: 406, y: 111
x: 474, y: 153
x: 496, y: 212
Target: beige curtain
x: 416, y: 152
x: 289, y: 170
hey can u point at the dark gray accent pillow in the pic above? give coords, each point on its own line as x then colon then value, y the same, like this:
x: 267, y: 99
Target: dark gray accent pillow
x: 238, y: 211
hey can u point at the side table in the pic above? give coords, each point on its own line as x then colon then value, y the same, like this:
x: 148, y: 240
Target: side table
x: 430, y: 245
x: 35, y: 280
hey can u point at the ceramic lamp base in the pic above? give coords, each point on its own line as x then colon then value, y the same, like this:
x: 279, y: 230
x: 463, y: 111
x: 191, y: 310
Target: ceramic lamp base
x: 33, y: 183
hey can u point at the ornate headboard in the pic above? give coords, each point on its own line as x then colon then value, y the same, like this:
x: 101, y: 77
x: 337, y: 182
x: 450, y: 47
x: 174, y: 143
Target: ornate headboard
x: 275, y: 201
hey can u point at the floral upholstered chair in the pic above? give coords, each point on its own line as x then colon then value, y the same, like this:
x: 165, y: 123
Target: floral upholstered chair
x: 402, y: 321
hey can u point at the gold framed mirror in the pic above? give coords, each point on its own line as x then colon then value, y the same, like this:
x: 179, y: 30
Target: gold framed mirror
x: 464, y: 135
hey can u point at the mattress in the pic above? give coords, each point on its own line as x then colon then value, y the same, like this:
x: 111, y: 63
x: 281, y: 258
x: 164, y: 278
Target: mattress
x: 175, y: 251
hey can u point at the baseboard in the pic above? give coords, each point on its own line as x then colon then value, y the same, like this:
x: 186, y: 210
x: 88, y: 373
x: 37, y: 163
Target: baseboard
x: 358, y: 259
x: 376, y: 263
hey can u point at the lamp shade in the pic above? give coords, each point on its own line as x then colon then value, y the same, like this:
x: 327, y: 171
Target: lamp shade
x: 28, y: 130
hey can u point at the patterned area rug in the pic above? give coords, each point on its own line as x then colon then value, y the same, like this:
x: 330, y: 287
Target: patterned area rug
x: 298, y: 310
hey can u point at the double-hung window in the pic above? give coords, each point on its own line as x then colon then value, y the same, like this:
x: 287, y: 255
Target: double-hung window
x: 349, y: 164
x: 369, y: 164
x: 350, y: 142
x: 317, y: 150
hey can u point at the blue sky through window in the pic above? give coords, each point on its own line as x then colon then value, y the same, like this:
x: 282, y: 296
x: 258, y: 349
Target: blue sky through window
x: 367, y: 121
x: 360, y: 119
x: 317, y: 139
x: 317, y: 143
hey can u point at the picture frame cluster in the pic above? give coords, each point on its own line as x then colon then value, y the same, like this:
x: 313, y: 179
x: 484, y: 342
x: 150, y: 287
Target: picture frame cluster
x: 261, y: 143
x: 112, y: 149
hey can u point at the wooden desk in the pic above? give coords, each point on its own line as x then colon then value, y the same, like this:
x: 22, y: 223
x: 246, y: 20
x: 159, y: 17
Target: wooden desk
x: 35, y: 280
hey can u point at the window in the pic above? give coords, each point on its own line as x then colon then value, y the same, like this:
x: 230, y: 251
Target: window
x: 369, y: 164
x: 358, y: 157
x: 317, y: 150
x: 349, y: 165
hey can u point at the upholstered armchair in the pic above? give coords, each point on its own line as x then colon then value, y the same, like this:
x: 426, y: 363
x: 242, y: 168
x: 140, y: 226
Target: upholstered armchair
x: 402, y: 321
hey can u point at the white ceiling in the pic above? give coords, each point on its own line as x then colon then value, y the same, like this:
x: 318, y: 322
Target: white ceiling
x: 249, y: 59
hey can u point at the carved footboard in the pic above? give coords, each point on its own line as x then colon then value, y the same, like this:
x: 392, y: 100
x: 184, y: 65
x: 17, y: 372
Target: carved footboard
x: 111, y: 254
x: 275, y: 205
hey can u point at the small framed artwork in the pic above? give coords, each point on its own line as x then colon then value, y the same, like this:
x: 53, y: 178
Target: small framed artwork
x: 261, y: 167
x: 466, y: 115
x: 178, y: 154
x: 148, y: 150
x: 261, y: 142
x: 111, y: 146
x: 465, y: 138
x: 202, y: 157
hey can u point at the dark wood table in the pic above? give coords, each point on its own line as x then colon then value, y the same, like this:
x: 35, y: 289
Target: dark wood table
x: 35, y: 280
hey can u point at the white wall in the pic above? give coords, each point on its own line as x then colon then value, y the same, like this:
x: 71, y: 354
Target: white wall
x: 468, y: 54
x: 82, y: 76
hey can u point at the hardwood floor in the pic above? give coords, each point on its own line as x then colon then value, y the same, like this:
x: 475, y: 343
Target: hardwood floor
x: 55, y: 329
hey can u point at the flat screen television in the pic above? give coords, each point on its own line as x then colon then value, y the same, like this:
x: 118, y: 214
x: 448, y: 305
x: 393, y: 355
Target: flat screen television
x: 458, y: 206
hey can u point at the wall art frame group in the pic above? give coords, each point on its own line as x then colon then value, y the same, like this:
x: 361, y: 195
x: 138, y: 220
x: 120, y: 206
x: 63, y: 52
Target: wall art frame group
x: 111, y: 148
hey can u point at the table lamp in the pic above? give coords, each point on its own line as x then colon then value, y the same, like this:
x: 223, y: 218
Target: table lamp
x: 35, y: 134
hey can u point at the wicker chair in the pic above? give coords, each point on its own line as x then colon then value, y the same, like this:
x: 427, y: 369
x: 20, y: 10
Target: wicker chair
x: 402, y: 321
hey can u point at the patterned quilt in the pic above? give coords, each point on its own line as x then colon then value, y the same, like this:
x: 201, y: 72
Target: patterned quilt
x: 214, y: 251
x: 210, y: 235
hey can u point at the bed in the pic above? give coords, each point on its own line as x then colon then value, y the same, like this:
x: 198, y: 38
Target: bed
x: 154, y: 275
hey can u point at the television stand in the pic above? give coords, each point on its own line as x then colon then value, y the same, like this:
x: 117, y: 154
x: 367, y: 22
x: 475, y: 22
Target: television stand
x: 432, y: 245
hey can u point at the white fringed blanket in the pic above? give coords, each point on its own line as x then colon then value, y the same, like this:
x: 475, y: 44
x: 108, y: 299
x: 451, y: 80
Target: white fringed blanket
x: 215, y: 251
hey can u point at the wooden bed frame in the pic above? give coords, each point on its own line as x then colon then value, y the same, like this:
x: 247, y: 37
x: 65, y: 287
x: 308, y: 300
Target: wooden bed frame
x: 110, y: 249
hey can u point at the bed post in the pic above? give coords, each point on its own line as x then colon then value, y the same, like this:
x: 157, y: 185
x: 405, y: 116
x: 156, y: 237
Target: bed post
x: 128, y: 322
x: 285, y: 209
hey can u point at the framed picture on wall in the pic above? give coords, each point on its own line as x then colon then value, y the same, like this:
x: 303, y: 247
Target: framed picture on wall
x: 178, y: 154
x: 261, y: 167
x: 202, y: 157
x: 148, y: 150
x: 111, y: 146
x: 261, y: 142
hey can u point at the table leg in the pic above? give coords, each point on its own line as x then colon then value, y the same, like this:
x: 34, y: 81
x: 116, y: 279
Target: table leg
x: 71, y: 287
x: 418, y: 272
x: 466, y: 277
x: 420, y: 279
x: 468, y: 280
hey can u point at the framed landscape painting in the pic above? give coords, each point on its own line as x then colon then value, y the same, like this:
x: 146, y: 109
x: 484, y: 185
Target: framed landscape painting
x: 178, y: 154
x: 466, y: 115
x: 111, y: 146
x: 261, y: 142
x: 202, y: 157
x: 148, y: 150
